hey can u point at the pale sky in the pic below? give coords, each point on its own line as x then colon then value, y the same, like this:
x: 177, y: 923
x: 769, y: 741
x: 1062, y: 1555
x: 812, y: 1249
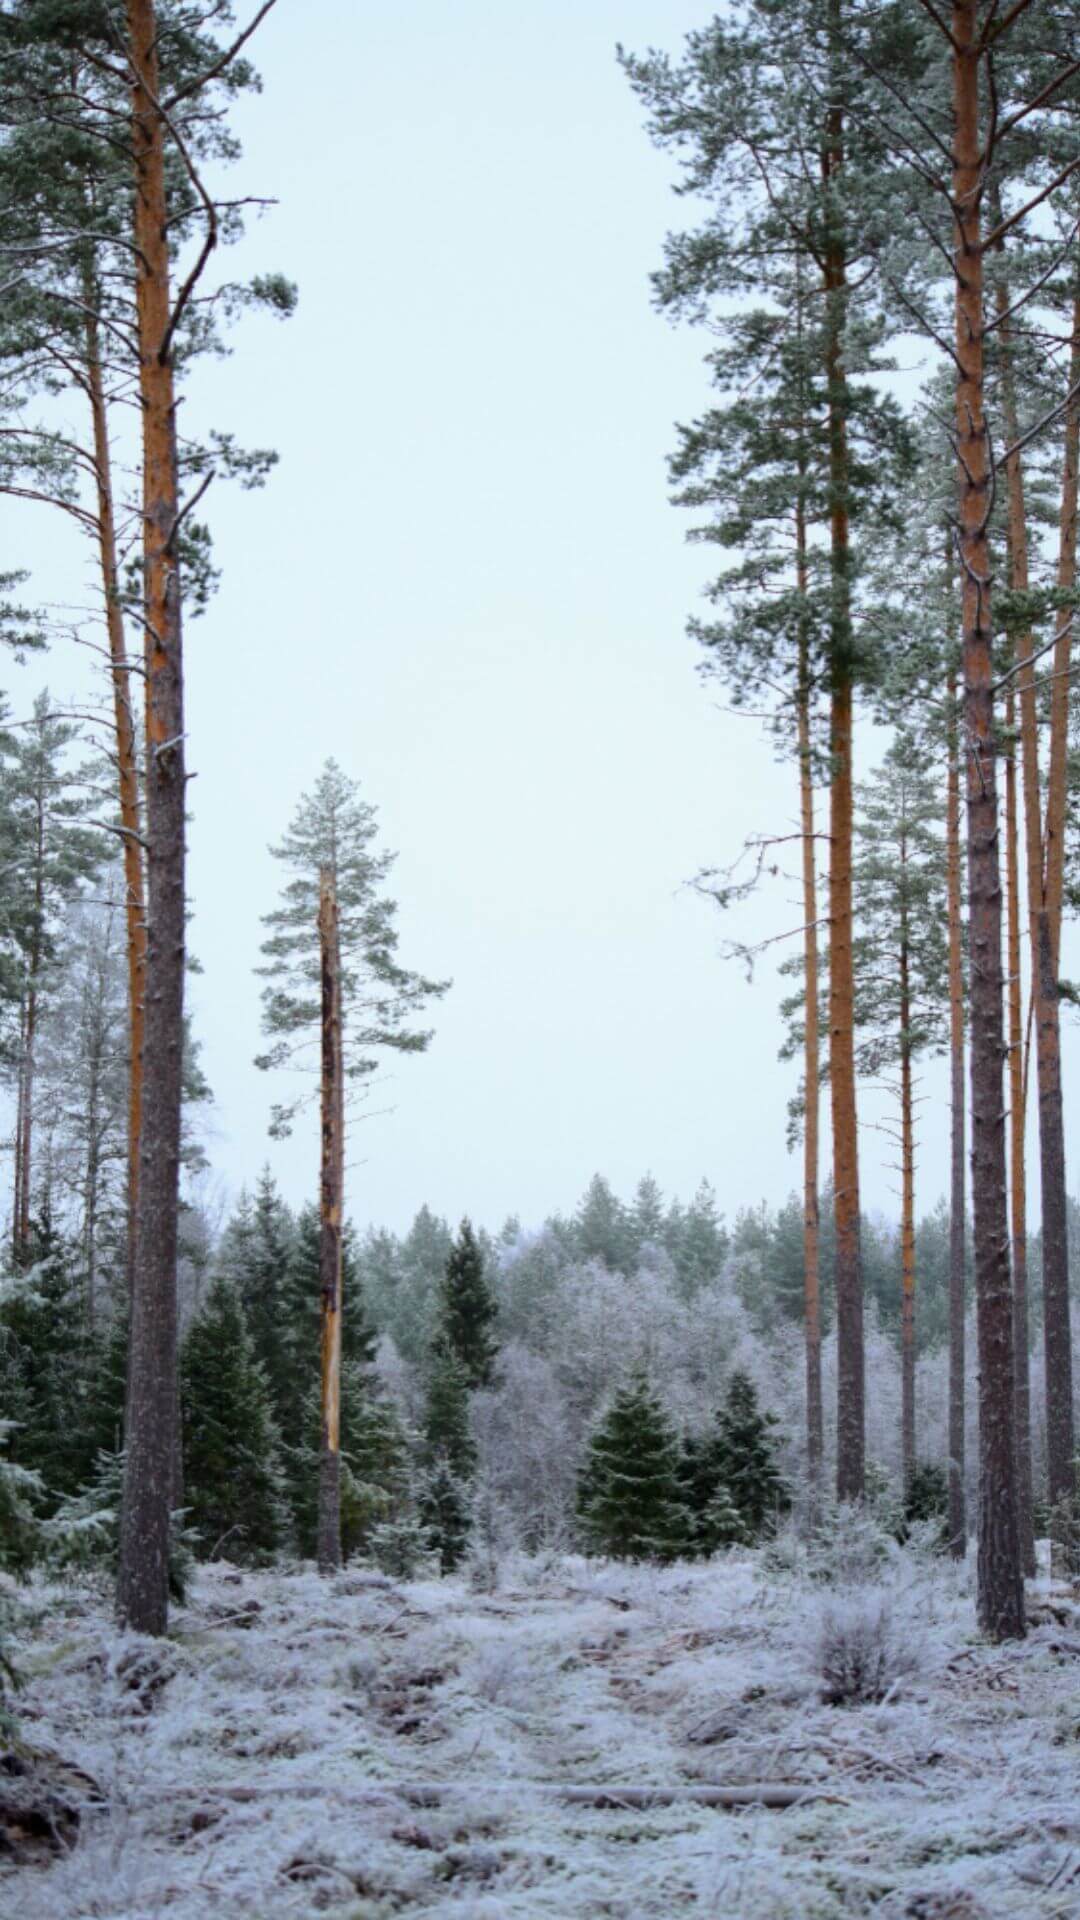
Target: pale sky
x: 465, y: 582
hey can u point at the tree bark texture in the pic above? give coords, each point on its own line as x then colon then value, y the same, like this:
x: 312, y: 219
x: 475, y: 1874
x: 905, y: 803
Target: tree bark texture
x: 1057, y: 1328
x: 1017, y: 1159
x: 815, y: 1442
x: 957, y: 1155
x: 851, y: 1386
x: 127, y: 762
x: 907, y: 1207
x: 1055, y: 1251
x: 152, y: 1396
x: 1057, y: 778
x: 1000, y: 1575
x: 330, y: 1228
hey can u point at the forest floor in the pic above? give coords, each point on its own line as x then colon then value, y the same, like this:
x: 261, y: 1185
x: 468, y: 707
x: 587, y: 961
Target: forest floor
x: 365, y: 1748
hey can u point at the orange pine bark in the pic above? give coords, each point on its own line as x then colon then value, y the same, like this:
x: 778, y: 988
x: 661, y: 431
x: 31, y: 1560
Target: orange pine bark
x: 127, y: 762
x: 330, y: 1222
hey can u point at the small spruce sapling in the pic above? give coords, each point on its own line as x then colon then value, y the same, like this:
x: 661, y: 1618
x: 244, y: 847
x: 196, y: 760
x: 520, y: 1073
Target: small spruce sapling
x: 448, y: 1458
x: 629, y: 1499
x: 232, y: 1469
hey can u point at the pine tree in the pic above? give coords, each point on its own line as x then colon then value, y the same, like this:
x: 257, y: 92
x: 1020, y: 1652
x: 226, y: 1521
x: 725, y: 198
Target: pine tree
x: 232, y: 1473
x: 467, y: 1311
x: 629, y: 1498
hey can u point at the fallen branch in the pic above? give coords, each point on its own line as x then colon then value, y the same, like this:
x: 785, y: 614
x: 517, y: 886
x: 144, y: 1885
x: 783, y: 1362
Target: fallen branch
x: 432, y: 1793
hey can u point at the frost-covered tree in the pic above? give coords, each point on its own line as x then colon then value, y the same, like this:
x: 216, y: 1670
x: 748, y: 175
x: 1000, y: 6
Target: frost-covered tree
x: 629, y: 1498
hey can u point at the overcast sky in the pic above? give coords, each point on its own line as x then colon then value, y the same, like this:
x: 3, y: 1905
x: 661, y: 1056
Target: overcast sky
x: 465, y: 582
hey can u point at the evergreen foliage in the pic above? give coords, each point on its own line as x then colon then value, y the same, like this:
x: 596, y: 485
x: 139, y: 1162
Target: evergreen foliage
x: 49, y: 1362
x: 448, y: 1459
x: 334, y: 829
x: 232, y: 1473
x: 732, y: 1470
x: 629, y: 1498
x: 467, y: 1311
x: 20, y: 1501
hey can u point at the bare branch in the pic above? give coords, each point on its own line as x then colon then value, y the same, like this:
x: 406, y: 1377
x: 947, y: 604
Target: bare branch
x: 203, y: 79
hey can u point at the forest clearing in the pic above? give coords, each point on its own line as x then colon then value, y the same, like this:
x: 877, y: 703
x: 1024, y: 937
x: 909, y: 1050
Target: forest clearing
x: 364, y: 1748
x: 397, y: 1515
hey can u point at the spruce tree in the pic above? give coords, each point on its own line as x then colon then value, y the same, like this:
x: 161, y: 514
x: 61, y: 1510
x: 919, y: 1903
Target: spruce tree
x: 232, y: 1473
x: 746, y: 1456
x: 732, y: 1471
x: 448, y: 1459
x: 629, y: 1499
x: 49, y: 1362
x: 467, y: 1310
x: 257, y: 1254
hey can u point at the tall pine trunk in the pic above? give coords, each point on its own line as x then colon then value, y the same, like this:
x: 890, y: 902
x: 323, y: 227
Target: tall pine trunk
x: 851, y: 1386
x: 1000, y: 1574
x: 29, y: 1026
x: 815, y: 1442
x: 1057, y: 1343
x: 907, y: 1188
x: 957, y: 1131
x: 1017, y: 1158
x: 330, y: 1228
x: 152, y: 1396
x: 1057, y: 1329
x: 1057, y: 777
x: 126, y: 762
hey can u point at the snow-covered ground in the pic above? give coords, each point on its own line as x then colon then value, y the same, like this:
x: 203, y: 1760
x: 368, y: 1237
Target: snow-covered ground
x: 364, y: 1749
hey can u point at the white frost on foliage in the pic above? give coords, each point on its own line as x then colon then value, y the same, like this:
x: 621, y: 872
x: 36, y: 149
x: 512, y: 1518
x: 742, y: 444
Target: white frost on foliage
x: 253, y: 1764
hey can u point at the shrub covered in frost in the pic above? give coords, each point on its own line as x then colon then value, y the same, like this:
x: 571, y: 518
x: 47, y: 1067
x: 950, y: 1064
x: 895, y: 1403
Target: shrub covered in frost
x: 860, y: 1651
x: 401, y: 1548
x: 849, y: 1546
